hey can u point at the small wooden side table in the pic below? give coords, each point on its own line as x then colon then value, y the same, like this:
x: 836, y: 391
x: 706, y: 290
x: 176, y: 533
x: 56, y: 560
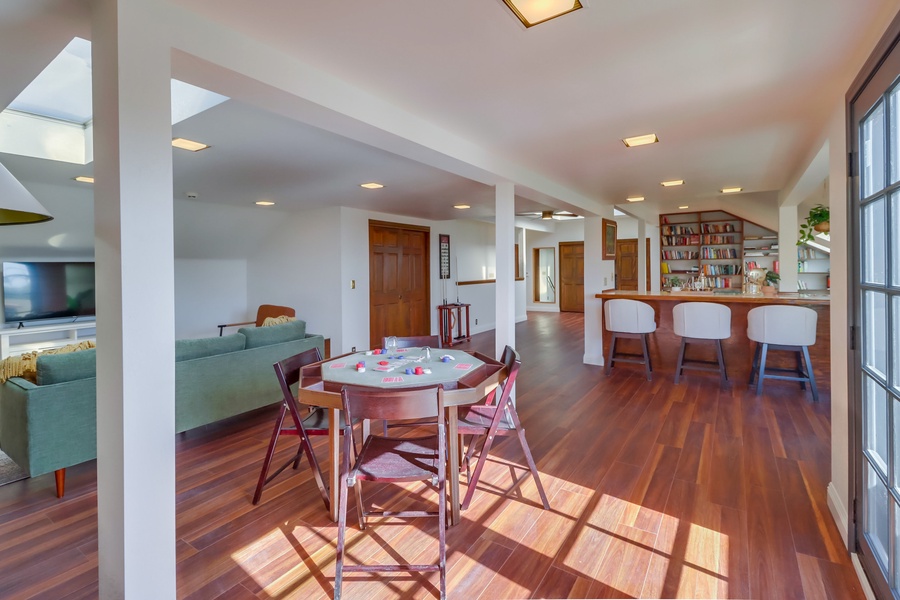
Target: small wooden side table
x: 450, y: 316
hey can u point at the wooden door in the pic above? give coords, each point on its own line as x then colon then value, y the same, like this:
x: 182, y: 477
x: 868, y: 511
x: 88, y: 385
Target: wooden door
x: 571, y: 276
x: 399, y: 297
x: 627, y: 264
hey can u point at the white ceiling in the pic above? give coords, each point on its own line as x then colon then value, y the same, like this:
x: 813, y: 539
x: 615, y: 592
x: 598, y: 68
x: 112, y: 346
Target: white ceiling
x: 738, y: 93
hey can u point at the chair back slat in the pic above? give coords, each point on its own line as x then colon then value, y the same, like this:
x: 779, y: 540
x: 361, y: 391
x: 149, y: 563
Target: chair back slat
x: 401, y: 403
x: 288, y: 370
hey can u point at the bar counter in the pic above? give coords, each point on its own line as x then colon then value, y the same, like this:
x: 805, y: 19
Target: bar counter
x: 738, y: 349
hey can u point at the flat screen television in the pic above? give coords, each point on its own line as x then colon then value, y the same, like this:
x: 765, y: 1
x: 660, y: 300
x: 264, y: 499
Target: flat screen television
x: 47, y: 290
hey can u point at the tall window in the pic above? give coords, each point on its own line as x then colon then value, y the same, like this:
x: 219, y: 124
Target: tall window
x: 875, y: 114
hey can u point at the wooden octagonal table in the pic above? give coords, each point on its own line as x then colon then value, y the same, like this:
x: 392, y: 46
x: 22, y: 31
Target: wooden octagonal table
x: 466, y: 377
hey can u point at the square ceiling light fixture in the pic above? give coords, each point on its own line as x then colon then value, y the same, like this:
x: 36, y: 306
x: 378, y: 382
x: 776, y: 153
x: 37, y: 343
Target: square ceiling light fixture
x: 535, y: 12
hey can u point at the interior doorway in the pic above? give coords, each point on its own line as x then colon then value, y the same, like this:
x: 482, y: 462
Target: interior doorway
x: 399, y: 276
x: 627, y: 264
x: 571, y: 277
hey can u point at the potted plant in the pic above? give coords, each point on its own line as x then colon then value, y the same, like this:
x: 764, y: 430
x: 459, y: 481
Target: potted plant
x: 772, y: 279
x: 818, y: 221
x: 675, y: 284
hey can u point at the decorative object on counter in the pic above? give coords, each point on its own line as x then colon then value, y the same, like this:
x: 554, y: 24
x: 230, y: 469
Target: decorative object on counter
x: 772, y: 279
x: 817, y: 221
x: 675, y: 284
x: 755, y: 280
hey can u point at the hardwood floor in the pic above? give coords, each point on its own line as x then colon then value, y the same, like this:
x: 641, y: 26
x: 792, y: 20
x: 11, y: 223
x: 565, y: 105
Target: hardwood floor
x: 656, y: 490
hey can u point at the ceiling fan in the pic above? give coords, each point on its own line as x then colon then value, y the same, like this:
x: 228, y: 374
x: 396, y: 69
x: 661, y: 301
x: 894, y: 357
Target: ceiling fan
x: 559, y: 215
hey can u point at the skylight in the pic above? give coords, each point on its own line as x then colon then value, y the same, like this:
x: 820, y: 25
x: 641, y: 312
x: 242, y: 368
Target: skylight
x: 63, y: 89
x: 52, y: 117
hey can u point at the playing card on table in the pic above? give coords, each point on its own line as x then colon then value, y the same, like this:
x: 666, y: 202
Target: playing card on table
x: 337, y: 365
x: 463, y: 366
x: 391, y: 379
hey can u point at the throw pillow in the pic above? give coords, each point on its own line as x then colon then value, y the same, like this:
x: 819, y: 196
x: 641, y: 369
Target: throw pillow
x: 270, y: 321
x: 25, y: 365
x: 276, y: 334
x: 203, y: 347
x: 67, y: 366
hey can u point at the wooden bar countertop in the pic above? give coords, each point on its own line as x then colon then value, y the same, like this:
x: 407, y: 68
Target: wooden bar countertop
x: 738, y: 349
x: 799, y: 298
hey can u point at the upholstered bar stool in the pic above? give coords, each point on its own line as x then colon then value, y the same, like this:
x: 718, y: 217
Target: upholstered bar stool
x: 701, y: 322
x: 629, y: 319
x: 790, y: 328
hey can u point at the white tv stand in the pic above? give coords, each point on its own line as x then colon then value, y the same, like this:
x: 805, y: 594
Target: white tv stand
x: 43, y: 337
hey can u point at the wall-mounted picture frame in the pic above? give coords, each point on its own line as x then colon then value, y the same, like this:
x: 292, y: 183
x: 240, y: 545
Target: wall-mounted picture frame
x: 609, y: 239
x: 444, y: 248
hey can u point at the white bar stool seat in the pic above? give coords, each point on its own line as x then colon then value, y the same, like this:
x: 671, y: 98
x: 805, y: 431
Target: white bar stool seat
x: 701, y: 322
x: 629, y: 319
x: 790, y: 328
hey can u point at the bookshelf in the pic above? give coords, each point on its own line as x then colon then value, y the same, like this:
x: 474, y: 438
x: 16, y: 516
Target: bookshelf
x: 760, y: 248
x: 813, y: 268
x: 704, y: 242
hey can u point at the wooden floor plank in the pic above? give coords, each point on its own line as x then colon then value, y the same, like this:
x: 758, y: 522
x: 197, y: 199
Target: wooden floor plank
x: 656, y: 490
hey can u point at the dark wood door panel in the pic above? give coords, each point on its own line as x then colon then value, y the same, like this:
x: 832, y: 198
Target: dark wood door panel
x: 399, y: 299
x: 571, y: 276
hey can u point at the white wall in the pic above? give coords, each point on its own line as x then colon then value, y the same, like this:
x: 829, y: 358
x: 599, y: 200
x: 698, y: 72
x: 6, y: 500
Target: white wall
x: 563, y: 231
x: 311, y: 258
x: 298, y: 265
x: 207, y: 293
x: 839, y: 489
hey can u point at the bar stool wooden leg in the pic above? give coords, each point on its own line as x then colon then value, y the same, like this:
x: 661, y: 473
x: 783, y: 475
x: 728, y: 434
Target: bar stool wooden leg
x: 647, y: 366
x: 612, y: 351
x: 761, y: 373
x: 754, y: 370
x: 678, y: 367
x: 810, y: 374
x: 722, y: 372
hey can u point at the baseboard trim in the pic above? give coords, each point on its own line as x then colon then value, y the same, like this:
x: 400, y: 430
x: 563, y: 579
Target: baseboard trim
x: 842, y: 520
x: 593, y: 359
x: 838, y: 512
x: 861, y: 575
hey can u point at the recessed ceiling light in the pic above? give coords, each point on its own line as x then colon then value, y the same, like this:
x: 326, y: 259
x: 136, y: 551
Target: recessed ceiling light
x: 189, y: 145
x: 265, y: 203
x: 535, y: 12
x: 672, y: 182
x: 461, y: 206
x: 683, y: 207
x: 371, y: 186
x: 731, y: 190
x: 640, y: 140
x: 84, y: 179
x: 635, y: 199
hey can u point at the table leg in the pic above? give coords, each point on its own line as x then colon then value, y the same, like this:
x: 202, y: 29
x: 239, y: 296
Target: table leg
x: 453, y: 471
x: 334, y: 458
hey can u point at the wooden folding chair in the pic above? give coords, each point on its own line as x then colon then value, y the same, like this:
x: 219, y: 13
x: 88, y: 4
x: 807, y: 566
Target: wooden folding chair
x: 388, y: 459
x: 492, y: 418
x: 313, y: 423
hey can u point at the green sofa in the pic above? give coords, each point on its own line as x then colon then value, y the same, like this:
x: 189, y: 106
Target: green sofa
x: 52, y: 425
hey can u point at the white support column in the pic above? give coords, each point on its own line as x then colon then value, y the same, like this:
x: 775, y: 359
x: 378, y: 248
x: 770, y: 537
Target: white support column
x: 593, y: 284
x: 642, y: 255
x: 788, y: 233
x: 135, y: 302
x: 505, y: 235
x: 655, y: 275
